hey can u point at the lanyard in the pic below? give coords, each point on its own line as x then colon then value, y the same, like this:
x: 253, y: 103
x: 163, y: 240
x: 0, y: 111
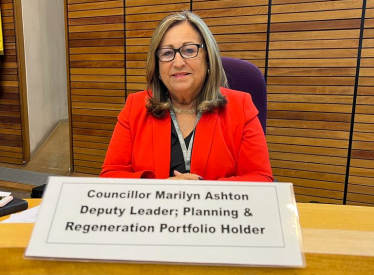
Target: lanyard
x: 186, y: 152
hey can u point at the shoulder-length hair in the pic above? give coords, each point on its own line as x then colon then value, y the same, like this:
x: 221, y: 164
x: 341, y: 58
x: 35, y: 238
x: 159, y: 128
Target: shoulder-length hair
x: 210, y: 97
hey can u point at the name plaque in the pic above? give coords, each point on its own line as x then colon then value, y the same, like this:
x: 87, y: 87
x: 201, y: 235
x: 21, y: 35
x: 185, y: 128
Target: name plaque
x: 140, y: 220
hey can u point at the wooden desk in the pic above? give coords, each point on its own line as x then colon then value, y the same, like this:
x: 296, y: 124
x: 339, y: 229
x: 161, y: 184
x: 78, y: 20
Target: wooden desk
x: 337, y: 240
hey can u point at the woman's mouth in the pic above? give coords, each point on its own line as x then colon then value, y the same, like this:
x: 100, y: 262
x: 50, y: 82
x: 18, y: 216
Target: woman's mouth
x: 180, y: 75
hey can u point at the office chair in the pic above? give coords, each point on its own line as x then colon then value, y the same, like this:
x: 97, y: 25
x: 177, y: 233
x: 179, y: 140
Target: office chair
x: 244, y: 76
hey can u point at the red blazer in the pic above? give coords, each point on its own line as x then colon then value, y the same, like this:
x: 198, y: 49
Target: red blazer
x: 229, y: 143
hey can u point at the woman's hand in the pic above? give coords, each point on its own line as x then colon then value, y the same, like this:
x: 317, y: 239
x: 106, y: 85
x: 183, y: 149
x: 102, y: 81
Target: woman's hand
x: 184, y: 176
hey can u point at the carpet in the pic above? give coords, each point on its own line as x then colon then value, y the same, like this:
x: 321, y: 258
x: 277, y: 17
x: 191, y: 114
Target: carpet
x: 23, y: 176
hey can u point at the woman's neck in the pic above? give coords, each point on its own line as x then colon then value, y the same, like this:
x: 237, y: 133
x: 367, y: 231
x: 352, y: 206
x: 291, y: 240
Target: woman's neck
x: 184, y: 105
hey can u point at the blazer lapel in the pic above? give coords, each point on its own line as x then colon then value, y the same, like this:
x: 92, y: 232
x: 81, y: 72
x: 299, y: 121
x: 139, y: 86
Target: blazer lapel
x: 203, y: 142
x: 161, y: 145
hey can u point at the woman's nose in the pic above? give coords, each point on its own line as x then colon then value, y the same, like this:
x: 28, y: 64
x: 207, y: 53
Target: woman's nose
x: 178, y: 60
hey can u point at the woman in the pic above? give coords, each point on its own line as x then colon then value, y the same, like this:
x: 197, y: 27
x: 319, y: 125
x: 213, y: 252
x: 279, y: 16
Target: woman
x: 186, y: 125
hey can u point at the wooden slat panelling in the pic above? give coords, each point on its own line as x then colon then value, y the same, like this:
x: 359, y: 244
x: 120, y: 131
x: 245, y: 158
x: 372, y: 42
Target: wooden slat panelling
x: 11, y: 145
x: 240, y: 27
x: 361, y: 175
x: 311, y: 75
x: 96, y: 34
x: 141, y: 19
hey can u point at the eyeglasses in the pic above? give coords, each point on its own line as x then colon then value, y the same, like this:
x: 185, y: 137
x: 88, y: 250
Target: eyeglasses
x: 187, y: 51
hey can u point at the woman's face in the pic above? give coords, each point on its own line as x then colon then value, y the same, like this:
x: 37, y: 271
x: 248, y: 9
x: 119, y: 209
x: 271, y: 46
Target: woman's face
x: 184, y: 78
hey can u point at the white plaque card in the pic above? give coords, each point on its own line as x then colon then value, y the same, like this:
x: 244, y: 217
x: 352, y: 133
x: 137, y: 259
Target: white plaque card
x: 201, y: 222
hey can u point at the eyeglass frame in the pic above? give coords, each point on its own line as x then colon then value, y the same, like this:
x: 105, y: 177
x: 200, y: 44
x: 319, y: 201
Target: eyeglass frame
x: 179, y: 51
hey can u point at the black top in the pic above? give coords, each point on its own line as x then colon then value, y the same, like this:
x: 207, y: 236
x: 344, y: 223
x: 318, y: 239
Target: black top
x: 176, y: 158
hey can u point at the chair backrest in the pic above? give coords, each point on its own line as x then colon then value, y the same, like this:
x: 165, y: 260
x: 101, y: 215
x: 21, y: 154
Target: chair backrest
x: 246, y: 77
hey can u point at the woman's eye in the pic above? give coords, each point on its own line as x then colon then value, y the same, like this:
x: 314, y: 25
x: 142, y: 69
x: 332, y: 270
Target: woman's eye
x: 167, y: 53
x: 190, y: 50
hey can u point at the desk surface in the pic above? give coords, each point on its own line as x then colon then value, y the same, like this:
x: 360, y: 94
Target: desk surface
x: 336, y: 239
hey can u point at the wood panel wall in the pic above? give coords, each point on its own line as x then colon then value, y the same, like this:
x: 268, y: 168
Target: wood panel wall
x: 311, y: 77
x: 96, y: 45
x: 240, y: 27
x: 13, y: 127
x: 308, y: 50
x: 361, y: 173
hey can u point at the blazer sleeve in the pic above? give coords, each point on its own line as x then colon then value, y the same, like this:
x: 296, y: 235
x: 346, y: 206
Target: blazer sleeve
x: 253, y: 162
x: 118, y: 160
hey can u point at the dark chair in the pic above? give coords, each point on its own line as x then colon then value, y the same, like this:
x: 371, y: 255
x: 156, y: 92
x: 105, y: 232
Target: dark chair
x: 244, y: 76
